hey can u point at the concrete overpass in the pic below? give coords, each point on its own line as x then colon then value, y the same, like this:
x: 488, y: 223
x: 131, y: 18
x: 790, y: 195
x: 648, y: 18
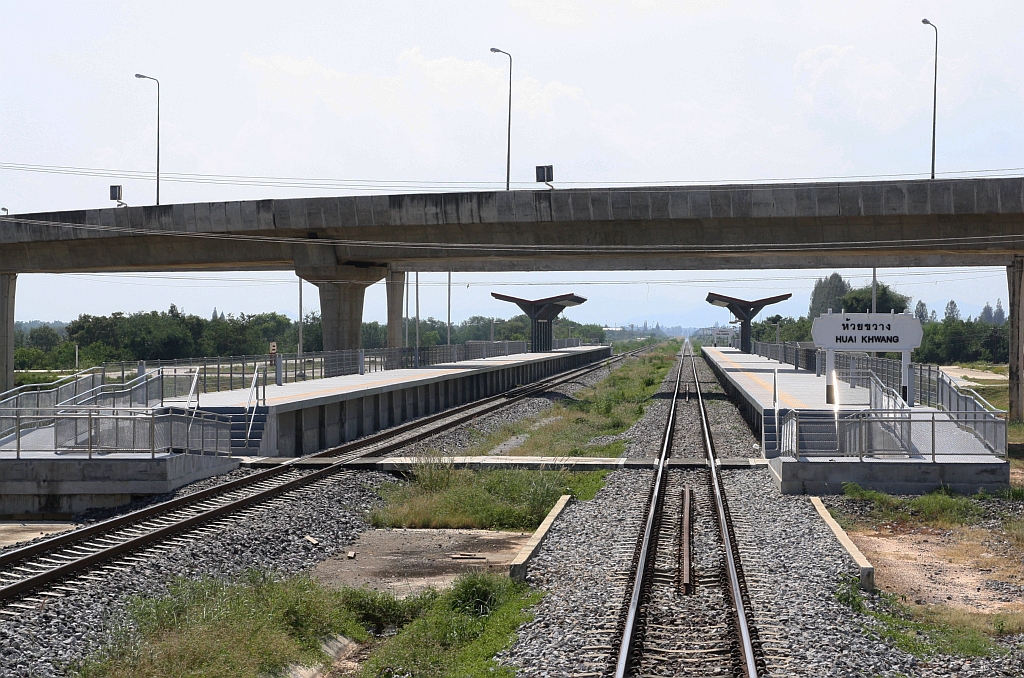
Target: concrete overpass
x: 344, y: 244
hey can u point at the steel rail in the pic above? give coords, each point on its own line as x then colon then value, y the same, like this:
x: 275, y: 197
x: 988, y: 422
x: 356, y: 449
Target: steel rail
x: 626, y: 647
x: 351, y: 451
x: 742, y: 625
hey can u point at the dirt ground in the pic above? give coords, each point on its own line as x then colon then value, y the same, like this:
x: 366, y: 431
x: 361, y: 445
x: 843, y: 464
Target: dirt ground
x: 14, y: 531
x: 972, y: 569
x: 405, y: 562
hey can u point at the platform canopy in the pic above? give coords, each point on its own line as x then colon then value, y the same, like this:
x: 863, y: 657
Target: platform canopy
x: 745, y: 311
x: 541, y: 312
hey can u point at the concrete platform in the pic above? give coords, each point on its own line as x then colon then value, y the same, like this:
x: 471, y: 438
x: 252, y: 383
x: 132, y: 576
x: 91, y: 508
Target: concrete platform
x: 749, y: 380
x: 54, y: 488
x: 306, y: 417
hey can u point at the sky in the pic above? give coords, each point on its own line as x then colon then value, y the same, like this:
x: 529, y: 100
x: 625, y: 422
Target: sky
x: 406, y: 96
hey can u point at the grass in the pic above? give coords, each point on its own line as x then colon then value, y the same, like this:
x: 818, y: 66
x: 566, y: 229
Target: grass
x: 925, y: 632
x: 440, y: 496
x: 608, y: 408
x: 941, y: 508
x: 251, y: 627
x: 459, y: 634
x: 259, y: 625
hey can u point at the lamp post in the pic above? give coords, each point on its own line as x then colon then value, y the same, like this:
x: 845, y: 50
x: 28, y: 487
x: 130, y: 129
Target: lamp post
x: 935, y: 89
x: 146, y: 77
x: 508, y: 156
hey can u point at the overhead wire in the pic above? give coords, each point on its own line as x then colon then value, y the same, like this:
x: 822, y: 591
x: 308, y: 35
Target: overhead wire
x: 405, y: 184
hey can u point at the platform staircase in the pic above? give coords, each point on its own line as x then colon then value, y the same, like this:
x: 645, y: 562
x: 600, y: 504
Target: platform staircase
x: 240, y: 418
x: 817, y: 432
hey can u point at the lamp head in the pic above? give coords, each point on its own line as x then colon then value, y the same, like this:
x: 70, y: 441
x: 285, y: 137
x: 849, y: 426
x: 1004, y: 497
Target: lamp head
x: 140, y: 75
x: 495, y: 49
x: 925, y: 21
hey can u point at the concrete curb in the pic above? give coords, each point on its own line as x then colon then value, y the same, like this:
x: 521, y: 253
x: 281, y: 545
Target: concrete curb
x: 517, y: 568
x: 867, y: 570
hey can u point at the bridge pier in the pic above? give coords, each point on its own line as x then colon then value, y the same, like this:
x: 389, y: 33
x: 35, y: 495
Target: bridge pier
x: 396, y: 295
x: 7, y: 284
x: 341, y: 313
x: 1015, y: 281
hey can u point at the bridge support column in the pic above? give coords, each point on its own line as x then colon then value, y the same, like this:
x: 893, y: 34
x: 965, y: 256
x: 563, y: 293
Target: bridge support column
x: 341, y: 312
x: 7, y: 283
x: 1015, y: 281
x: 396, y: 295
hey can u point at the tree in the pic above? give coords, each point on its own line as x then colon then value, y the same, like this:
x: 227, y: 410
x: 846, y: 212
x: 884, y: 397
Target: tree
x: 828, y: 293
x: 44, y: 338
x: 921, y: 312
x: 986, y: 314
x: 952, y: 312
x: 887, y: 299
x: 999, y: 316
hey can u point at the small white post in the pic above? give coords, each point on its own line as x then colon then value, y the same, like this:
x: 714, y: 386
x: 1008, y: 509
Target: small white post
x: 908, y: 380
x: 830, y: 377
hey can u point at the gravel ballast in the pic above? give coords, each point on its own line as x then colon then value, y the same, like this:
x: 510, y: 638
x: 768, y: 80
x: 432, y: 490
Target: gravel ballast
x: 42, y: 642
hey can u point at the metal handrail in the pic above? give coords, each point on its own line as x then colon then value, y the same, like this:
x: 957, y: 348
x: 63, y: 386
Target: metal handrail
x: 252, y: 390
x: 51, y: 385
x: 988, y: 406
x: 193, y: 389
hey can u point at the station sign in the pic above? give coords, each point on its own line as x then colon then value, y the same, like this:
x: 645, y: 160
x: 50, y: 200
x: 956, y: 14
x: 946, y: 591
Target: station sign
x: 867, y: 332
x: 722, y: 333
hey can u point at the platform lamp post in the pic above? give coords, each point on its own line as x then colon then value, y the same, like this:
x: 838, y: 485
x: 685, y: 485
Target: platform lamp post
x: 146, y: 77
x: 508, y: 156
x: 935, y: 89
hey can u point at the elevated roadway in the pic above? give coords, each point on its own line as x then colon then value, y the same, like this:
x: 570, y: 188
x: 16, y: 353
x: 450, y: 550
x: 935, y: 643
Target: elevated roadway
x: 343, y: 244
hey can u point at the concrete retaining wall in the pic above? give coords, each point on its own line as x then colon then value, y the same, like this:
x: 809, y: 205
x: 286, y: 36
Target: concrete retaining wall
x: 892, y: 476
x: 57, y: 488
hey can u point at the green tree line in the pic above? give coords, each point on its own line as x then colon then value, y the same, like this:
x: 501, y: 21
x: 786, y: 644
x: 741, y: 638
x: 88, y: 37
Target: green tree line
x: 173, y: 334
x: 949, y: 339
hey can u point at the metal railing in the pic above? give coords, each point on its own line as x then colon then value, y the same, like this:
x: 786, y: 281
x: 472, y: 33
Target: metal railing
x: 50, y: 394
x: 887, y: 433
x: 102, y: 431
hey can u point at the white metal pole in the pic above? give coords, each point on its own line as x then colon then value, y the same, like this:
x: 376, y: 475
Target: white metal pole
x: 299, y: 351
x: 449, y: 308
x: 407, y: 276
x: 417, y: 310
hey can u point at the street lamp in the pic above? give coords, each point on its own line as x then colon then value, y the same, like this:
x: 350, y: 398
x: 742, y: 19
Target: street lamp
x: 935, y: 89
x: 508, y: 157
x: 146, y: 77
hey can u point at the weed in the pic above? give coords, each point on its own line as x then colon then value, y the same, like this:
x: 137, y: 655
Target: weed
x: 921, y: 632
x: 457, y: 498
x: 848, y: 593
x: 459, y: 634
x: 251, y: 627
x: 1013, y: 492
x: 941, y: 508
x: 258, y: 625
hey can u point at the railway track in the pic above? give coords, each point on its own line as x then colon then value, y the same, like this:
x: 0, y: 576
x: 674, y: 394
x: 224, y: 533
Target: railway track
x: 50, y: 568
x: 687, y: 610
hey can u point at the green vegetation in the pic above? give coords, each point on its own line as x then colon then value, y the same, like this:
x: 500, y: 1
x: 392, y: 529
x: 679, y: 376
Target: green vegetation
x: 176, y: 334
x: 459, y: 633
x: 257, y: 626
x: 439, y: 496
x: 925, y: 632
x: 608, y: 408
x: 941, y: 508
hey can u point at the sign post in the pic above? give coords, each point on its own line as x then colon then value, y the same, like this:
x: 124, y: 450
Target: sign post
x: 867, y: 332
